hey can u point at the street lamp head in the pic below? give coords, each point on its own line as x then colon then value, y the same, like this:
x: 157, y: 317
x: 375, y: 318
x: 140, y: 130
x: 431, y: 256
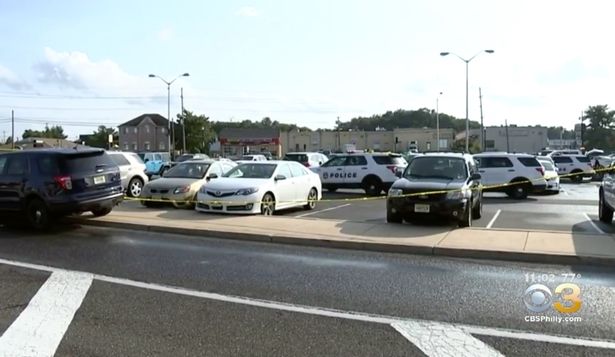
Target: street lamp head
x: 444, y: 53
x: 152, y: 76
x: 489, y: 51
x: 186, y: 75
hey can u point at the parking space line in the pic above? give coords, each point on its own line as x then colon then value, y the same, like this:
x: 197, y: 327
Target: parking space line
x: 591, y: 221
x: 322, y: 210
x: 492, y: 221
x: 40, y: 327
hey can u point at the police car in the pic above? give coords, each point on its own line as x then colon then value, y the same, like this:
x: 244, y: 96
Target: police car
x: 373, y: 172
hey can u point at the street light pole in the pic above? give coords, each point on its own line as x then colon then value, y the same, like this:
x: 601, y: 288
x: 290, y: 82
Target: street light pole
x: 171, y: 128
x: 467, y: 62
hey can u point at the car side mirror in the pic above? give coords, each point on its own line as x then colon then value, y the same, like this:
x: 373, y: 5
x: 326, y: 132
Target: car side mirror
x: 212, y: 176
x: 475, y: 177
x: 146, y: 161
x: 398, y: 173
x: 280, y: 177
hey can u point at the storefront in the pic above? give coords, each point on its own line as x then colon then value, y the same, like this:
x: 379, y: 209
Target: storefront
x: 235, y: 142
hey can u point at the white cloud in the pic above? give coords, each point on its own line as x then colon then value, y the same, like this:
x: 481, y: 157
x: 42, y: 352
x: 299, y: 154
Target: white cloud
x: 165, y: 34
x: 11, y: 80
x: 248, y: 11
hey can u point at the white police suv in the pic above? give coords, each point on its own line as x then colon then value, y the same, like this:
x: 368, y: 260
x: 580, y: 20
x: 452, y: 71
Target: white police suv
x: 515, y: 174
x: 373, y: 172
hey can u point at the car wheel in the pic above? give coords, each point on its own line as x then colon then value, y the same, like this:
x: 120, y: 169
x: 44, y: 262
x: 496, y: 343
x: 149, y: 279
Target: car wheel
x: 135, y: 186
x: 101, y: 211
x: 477, y: 211
x: 518, y: 191
x: 605, y: 213
x: 37, y: 214
x: 466, y: 220
x: 311, y: 200
x: 268, y: 205
x: 394, y: 217
x: 372, y: 186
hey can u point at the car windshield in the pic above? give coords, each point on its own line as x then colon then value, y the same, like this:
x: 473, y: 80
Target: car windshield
x: 436, y: 167
x: 253, y: 171
x: 194, y: 170
x: 547, y: 165
x: 184, y: 157
x: 303, y: 158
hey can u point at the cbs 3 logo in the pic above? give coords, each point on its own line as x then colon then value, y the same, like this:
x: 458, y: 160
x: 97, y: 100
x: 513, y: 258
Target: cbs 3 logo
x: 538, y: 298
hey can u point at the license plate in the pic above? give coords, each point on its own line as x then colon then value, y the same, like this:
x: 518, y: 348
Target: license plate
x: 419, y: 208
x: 99, y: 179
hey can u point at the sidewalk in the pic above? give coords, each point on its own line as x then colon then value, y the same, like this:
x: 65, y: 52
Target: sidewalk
x: 517, y: 245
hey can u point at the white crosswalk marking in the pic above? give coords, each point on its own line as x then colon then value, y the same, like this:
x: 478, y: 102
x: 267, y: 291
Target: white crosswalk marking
x: 437, y: 339
x: 39, y: 329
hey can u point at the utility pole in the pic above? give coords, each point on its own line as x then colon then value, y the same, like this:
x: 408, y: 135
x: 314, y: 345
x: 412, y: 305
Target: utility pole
x: 12, y: 129
x: 507, y: 141
x: 582, y: 129
x: 4, y: 136
x: 482, y: 128
x: 183, y: 121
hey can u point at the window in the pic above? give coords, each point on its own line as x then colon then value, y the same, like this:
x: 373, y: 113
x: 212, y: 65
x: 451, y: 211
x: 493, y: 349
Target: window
x: 584, y: 159
x: 297, y: 170
x: 136, y: 158
x: 120, y: 160
x: 134, y: 146
x: 126, y: 146
x: 125, y: 130
x: 136, y: 130
x: 161, y: 146
x: 529, y: 161
x: 284, y: 170
x: 494, y: 162
x: 336, y: 161
x: 356, y: 161
x: 302, y: 158
x: 448, y: 168
x: 147, y: 129
x: 389, y: 160
x: 17, y: 165
x: 163, y: 130
x: 562, y: 160
x: 490, y: 144
x: 2, y: 163
x: 85, y: 162
x: 148, y: 147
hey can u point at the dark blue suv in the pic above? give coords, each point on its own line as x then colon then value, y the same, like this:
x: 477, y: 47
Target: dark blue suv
x: 42, y: 184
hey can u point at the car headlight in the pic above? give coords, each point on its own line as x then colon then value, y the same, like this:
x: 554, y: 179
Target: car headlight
x: 457, y: 195
x: 182, y: 189
x: 395, y: 192
x: 247, y: 191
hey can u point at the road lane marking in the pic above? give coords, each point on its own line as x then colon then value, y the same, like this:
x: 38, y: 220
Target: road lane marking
x: 40, y: 327
x: 334, y: 313
x: 322, y: 210
x: 492, y: 221
x: 436, y: 339
x: 591, y: 221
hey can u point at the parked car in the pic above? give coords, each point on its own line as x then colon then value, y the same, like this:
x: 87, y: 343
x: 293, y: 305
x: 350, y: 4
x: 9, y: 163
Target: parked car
x: 132, y: 171
x: 44, y: 184
x: 373, y: 172
x: 515, y: 174
x: 574, y: 167
x: 186, y: 157
x: 180, y: 184
x: 456, y: 174
x: 156, y: 163
x: 606, y: 195
x: 307, y: 159
x: 261, y: 187
x: 551, y: 174
x: 253, y: 158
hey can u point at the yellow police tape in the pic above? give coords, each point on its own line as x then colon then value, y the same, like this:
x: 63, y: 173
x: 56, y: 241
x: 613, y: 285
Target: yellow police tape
x: 188, y: 203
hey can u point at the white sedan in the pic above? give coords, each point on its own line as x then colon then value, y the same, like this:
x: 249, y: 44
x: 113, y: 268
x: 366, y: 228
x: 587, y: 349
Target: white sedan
x: 261, y: 187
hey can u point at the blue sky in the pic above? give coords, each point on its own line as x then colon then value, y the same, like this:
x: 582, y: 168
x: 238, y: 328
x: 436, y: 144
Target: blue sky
x: 85, y: 63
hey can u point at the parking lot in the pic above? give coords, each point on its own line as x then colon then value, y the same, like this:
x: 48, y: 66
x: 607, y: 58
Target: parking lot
x: 574, y: 209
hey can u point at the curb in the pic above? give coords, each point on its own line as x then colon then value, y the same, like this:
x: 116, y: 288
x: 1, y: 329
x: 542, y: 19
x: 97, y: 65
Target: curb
x: 541, y: 258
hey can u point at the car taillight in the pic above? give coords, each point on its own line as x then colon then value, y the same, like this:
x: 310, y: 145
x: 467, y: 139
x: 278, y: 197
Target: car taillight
x: 393, y: 168
x: 541, y: 170
x: 64, y: 182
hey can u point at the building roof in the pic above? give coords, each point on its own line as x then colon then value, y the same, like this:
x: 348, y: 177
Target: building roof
x: 158, y: 120
x: 249, y: 133
x: 28, y: 143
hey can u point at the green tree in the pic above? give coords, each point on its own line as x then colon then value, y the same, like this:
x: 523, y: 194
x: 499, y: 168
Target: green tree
x: 54, y: 132
x: 100, y: 138
x: 199, y: 132
x: 460, y: 145
x: 598, y: 131
x: 9, y: 140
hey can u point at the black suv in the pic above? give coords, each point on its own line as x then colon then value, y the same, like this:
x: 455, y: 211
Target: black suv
x: 45, y: 183
x: 441, y: 184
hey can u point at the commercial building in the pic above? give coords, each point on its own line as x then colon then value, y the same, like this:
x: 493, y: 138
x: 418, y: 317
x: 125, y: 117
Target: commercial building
x: 528, y: 139
x: 240, y: 141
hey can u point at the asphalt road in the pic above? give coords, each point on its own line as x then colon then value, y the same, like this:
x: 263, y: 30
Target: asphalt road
x: 311, y: 301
